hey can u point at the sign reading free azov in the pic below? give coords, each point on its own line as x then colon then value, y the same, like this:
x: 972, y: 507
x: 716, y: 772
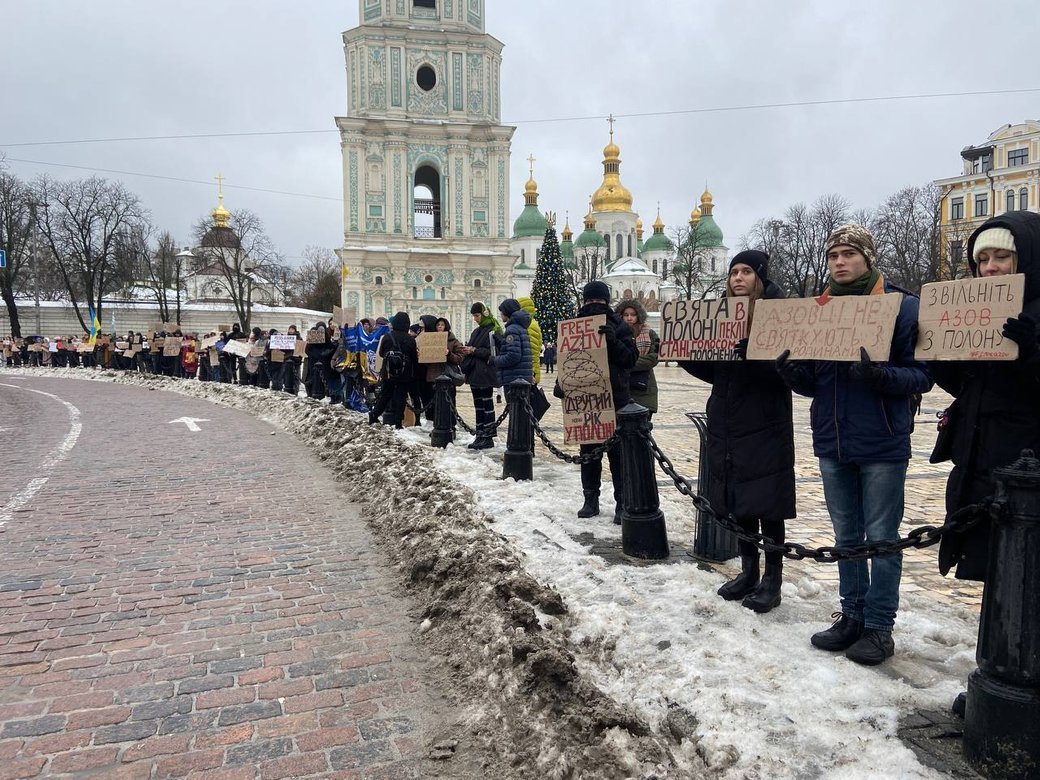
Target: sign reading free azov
x: 588, y: 402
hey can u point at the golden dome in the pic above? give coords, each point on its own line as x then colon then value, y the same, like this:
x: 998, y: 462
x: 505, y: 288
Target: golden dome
x: 659, y: 223
x: 695, y: 217
x: 567, y: 232
x: 531, y: 186
x: 706, y: 197
x: 221, y: 216
x: 612, y: 195
x: 590, y: 221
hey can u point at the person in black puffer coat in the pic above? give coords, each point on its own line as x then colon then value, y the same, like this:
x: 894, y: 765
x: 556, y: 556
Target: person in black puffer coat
x: 622, y: 355
x: 319, y: 368
x: 750, y: 444
x: 394, y: 385
x: 996, y: 412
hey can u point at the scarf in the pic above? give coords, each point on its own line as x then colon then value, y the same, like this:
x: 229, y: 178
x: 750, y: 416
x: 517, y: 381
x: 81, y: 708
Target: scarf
x: 488, y: 319
x: 862, y: 286
x: 643, y: 341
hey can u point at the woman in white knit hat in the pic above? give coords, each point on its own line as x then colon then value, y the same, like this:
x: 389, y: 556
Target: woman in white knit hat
x: 996, y: 413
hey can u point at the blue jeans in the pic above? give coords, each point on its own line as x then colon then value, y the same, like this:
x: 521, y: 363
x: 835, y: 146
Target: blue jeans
x: 865, y: 502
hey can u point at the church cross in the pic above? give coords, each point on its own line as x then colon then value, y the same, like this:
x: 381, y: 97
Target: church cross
x: 610, y: 121
x: 531, y: 159
x: 220, y: 182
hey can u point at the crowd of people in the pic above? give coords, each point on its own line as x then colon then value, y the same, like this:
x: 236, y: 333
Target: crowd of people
x: 862, y: 413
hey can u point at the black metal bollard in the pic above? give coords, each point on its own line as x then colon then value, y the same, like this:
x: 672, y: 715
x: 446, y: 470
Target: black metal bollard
x: 643, y: 533
x: 443, y: 419
x: 1002, y: 716
x: 519, y: 458
x: 711, y: 542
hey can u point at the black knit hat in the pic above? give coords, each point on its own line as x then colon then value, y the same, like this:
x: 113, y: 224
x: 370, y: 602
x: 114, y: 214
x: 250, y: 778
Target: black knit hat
x: 508, y: 306
x: 401, y: 321
x: 596, y: 291
x: 758, y: 261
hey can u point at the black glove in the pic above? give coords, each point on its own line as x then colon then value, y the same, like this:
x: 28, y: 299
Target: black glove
x: 865, y: 371
x: 740, y: 349
x: 609, y: 333
x: 1022, y: 331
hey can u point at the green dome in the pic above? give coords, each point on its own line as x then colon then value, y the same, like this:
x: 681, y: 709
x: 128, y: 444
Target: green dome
x: 529, y: 223
x: 590, y: 237
x: 659, y: 242
x: 709, y: 234
x: 566, y: 250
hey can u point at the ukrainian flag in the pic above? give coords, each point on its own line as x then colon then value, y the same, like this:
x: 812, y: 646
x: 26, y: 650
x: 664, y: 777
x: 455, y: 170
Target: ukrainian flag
x: 95, y: 326
x: 344, y: 272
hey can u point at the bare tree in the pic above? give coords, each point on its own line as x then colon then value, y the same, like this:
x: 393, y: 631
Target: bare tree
x: 17, y: 223
x: 243, y: 258
x: 906, y: 230
x: 692, y: 270
x: 159, y: 268
x: 589, y: 265
x: 316, y: 281
x: 81, y: 227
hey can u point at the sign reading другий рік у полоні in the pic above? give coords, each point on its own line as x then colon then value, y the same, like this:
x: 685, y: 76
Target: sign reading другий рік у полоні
x: 588, y: 402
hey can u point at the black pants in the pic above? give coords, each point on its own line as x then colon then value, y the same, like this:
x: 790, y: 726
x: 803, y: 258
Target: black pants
x: 592, y: 472
x: 291, y: 376
x: 484, y: 404
x: 774, y: 529
x: 393, y: 395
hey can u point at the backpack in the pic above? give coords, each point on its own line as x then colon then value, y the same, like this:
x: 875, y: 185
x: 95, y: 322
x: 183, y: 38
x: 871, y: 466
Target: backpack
x: 396, y: 365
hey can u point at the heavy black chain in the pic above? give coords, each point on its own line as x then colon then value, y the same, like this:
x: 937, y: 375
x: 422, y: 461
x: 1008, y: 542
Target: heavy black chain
x: 924, y: 536
x: 458, y: 418
x: 585, y: 457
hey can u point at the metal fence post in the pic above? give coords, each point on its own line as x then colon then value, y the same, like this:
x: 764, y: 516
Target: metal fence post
x: 643, y: 533
x: 1002, y: 715
x: 711, y: 542
x: 443, y: 420
x: 518, y: 462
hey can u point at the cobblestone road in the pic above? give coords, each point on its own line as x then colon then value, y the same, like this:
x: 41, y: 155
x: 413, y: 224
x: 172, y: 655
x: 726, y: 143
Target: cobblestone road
x: 190, y: 604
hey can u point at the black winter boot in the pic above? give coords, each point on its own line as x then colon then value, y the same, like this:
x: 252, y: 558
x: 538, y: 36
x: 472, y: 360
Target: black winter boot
x: 767, y: 594
x: 617, y: 513
x: 591, y: 506
x: 873, y: 647
x: 842, y: 635
x: 960, y: 704
x: 743, y: 583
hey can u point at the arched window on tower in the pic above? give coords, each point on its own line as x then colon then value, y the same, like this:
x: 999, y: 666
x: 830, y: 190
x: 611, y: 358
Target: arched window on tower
x: 1009, y: 200
x: 655, y: 265
x: 521, y: 257
x: 606, y: 237
x: 630, y: 252
x: 426, y: 218
x: 415, y: 292
x: 1023, y: 199
x: 620, y: 246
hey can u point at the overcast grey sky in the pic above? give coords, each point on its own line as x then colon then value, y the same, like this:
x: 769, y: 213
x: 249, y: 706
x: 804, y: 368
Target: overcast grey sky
x: 105, y: 68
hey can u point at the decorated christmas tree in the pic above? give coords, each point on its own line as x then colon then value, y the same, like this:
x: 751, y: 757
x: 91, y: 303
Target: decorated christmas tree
x: 552, y: 293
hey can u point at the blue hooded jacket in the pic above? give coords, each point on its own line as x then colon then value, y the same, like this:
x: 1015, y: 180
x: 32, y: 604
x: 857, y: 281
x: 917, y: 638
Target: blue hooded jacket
x: 514, y: 358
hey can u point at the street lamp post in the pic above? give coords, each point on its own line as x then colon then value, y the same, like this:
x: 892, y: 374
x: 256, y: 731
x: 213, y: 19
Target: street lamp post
x: 33, y: 205
x: 184, y: 259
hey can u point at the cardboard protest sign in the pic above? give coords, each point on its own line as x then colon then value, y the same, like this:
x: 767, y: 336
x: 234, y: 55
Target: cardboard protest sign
x: 588, y: 403
x: 338, y: 316
x: 703, y: 329
x: 157, y: 345
x: 85, y: 348
x: 223, y: 328
x: 963, y: 320
x: 132, y: 352
x: 432, y: 347
x: 236, y: 347
x: 277, y: 356
x: 281, y: 341
x: 103, y: 341
x: 214, y: 358
x: 824, y: 328
x: 172, y: 346
x: 155, y: 327
x: 122, y: 345
x: 315, y: 336
x: 300, y: 350
x: 209, y: 341
x: 256, y: 350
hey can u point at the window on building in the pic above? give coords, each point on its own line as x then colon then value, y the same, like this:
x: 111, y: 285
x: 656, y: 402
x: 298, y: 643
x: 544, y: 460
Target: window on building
x: 1009, y: 200
x: 426, y: 78
x: 655, y: 265
x: 630, y: 252
x: 987, y: 163
x: 476, y: 282
x: 424, y: 3
x: 981, y: 206
x: 1018, y: 157
x: 379, y: 280
x: 1023, y: 199
x: 664, y: 269
x: 620, y: 246
x: 415, y: 292
x: 444, y: 293
x: 521, y: 257
x: 428, y: 294
x: 606, y: 237
x: 957, y: 208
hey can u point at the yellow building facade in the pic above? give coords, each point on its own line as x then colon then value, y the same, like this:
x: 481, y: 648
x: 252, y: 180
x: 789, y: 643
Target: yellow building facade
x: 1001, y: 174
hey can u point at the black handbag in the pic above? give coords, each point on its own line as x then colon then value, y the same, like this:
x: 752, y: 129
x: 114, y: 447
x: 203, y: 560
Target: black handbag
x: 943, y: 449
x: 539, y: 403
x: 452, y: 371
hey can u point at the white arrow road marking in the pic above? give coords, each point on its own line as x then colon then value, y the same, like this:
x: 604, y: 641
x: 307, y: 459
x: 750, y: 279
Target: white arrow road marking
x: 54, y: 457
x: 190, y: 422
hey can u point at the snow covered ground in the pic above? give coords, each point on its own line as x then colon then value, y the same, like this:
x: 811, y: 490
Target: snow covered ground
x: 658, y: 638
